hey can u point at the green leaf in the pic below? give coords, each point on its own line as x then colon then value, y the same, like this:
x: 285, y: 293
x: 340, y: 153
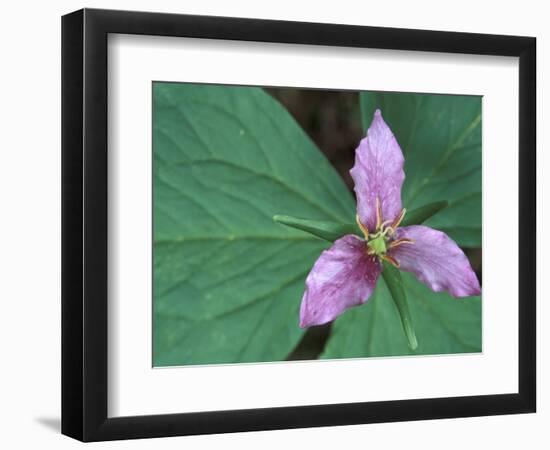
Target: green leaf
x: 393, y: 280
x: 228, y: 280
x: 440, y: 136
x: 443, y: 324
x: 327, y: 230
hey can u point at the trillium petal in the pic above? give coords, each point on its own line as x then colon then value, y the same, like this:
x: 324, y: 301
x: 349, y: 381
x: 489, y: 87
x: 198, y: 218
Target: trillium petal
x: 436, y: 260
x: 378, y: 173
x: 342, y: 277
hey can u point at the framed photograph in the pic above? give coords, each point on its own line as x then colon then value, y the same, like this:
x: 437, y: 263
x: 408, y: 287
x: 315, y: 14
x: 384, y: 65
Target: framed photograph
x: 273, y: 224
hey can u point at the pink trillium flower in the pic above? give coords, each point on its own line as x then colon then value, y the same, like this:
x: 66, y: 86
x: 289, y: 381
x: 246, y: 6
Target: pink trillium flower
x: 345, y: 275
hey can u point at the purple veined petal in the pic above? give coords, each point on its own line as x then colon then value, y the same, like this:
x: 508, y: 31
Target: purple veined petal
x: 436, y: 260
x: 378, y: 173
x: 342, y: 277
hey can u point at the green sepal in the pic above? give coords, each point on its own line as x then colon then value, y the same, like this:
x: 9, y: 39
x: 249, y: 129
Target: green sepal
x: 392, y: 277
x: 420, y: 215
x: 330, y: 231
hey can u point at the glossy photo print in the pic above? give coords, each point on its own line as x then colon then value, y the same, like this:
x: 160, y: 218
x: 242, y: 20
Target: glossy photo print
x: 305, y: 224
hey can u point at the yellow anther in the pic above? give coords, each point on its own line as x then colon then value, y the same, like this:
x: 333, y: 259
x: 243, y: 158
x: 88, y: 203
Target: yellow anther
x: 399, y: 242
x: 391, y: 260
x: 378, y: 214
x: 363, y: 228
x: 399, y: 219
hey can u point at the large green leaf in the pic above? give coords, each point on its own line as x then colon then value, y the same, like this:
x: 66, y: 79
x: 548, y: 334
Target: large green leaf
x: 440, y: 136
x: 228, y: 280
x: 442, y: 324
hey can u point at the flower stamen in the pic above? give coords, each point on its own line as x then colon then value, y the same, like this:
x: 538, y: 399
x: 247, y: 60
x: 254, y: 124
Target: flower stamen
x: 378, y: 214
x: 391, y: 260
x: 362, y: 227
x: 380, y: 241
x: 399, y: 219
x: 399, y: 242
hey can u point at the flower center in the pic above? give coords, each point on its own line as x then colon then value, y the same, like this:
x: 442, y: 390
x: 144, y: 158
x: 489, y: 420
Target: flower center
x: 377, y: 245
x: 382, y: 240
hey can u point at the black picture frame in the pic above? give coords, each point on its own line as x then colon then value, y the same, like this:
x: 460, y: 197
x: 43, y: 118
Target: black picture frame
x: 84, y: 224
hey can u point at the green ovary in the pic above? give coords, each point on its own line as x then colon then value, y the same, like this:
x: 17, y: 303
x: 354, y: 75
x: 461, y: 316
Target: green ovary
x: 377, y: 246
